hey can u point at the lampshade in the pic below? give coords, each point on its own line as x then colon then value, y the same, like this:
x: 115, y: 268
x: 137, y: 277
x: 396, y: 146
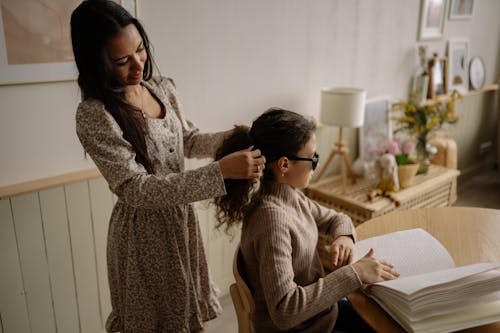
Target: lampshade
x: 344, y: 107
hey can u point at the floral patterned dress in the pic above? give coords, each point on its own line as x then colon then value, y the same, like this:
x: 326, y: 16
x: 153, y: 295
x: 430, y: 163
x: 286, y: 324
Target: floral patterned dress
x: 158, y: 274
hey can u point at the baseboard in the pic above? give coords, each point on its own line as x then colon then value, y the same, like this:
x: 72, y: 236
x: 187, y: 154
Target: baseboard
x: 476, y: 169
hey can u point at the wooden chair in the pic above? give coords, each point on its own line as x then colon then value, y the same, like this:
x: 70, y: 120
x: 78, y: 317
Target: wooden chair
x: 469, y: 234
x: 243, y: 302
x: 446, y: 152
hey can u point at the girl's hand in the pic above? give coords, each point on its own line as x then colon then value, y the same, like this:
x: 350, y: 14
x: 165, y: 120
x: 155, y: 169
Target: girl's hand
x: 371, y: 270
x: 342, y: 251
x: 243, y: 164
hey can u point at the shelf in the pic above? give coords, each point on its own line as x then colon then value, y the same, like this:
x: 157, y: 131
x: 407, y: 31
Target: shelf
x: 49, y: 182
x: 444, y: 98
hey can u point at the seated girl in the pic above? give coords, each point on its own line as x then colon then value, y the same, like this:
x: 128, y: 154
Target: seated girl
x: 280, y: 233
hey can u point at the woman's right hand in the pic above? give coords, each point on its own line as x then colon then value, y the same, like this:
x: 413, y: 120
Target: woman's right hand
x: 371, y: 270
x: 243, y: 164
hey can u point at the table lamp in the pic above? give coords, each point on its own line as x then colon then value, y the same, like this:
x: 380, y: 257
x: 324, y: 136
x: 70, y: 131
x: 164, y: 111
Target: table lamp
x: 342, y: 107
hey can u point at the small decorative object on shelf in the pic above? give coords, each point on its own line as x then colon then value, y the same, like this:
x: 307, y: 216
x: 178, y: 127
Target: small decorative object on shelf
x: 406, y: 174
x: 421, y: 77
x: 476, y: 73
x: 420, y: 121
x: 387, y: 178
x: 438, y: 76
x: 406, y: 167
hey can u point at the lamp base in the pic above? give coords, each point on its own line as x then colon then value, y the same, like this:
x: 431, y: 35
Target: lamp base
x: 345, y: 164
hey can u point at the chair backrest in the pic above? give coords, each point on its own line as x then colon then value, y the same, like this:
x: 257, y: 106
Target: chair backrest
x: 243, y: 302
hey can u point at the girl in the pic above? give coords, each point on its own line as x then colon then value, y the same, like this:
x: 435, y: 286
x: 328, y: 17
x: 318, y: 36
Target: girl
x: 280, y: 233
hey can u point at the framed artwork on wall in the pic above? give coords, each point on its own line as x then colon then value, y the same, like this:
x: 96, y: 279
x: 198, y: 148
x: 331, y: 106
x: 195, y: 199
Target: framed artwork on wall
x: 35, y: 41
x: 438, y: 76
x: 458, y: 52
x: 432, y: 14
x: 376, y: 128
x: 461, y: 9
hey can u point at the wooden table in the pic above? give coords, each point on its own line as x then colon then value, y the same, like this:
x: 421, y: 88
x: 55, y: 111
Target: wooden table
x: 469, y: 234
x: 437, y: 188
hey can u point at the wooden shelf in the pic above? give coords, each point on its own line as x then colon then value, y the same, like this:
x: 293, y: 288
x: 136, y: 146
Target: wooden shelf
x: 444, y: 98
x: 49, y: 182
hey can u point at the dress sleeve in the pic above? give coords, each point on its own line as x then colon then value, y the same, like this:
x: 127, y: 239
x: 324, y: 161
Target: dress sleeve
x: 288, y: 303
x: 196, y: 144
x: 331, y: 222
x: 114, y: 156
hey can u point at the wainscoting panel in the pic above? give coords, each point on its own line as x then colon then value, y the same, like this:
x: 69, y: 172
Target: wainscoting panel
x: 84, y: 256
x: 101, y: 202
x: 53, y: 257
x: 60, y: 262
x: 219, y: 247
x: 33, y: 259
x: 13, y: 306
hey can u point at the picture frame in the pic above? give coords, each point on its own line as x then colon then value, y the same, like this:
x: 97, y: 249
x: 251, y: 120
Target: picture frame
x: 438, y: 76
x: 461, y: 9
x: 49, y: 55
x: 458, y: 60
x: 377, y: 128
x: 432, y: 17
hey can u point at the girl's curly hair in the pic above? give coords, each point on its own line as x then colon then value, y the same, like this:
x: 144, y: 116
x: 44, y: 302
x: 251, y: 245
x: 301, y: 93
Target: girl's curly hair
x: 277, y: 132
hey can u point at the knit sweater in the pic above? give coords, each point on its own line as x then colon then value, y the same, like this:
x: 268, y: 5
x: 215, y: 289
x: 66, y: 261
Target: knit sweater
x: 282, y: 265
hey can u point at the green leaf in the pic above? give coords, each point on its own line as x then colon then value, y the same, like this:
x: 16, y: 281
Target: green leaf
x: 402, y: 159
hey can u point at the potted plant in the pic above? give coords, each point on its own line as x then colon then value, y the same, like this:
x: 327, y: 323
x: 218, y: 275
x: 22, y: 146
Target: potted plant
x: 407, y: 168
x: 421, y: 120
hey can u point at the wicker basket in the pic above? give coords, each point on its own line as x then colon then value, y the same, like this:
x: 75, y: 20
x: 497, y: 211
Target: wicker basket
x: 406, y: 174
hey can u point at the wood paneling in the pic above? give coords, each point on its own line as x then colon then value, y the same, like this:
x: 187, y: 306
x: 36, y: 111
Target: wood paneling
x: 33, y: 259
x: 101, y: 203
x: 59, y: 259
x: 13, y: 307
x: 84, y: 256
x: 53, y: 257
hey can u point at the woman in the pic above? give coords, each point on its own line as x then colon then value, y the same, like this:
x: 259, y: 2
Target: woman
x: 132, y: 126
x: 280, y: 233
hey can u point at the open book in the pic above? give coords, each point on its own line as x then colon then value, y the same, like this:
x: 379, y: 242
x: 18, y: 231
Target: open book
x: 432, y: 294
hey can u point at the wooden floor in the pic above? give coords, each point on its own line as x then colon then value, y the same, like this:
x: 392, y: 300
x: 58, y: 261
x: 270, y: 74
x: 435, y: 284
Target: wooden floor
x: 482, y: 190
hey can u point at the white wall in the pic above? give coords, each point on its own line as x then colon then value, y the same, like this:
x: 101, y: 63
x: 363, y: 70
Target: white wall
x: 232, y: 59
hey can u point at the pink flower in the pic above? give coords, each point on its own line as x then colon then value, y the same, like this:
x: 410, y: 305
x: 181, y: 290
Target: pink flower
x: 408, y: 147
x: 393, y: 147
x: 400, y: 150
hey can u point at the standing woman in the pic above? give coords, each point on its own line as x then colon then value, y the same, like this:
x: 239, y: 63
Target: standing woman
x: 131, y: 124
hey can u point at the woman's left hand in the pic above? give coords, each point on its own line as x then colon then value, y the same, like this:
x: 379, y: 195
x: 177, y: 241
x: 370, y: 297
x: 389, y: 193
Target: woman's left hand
x: 342, y: 251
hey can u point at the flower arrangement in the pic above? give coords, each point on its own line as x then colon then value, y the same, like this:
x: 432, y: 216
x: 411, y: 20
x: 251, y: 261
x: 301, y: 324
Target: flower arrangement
x: 420, y: 120
x: 400, y: 150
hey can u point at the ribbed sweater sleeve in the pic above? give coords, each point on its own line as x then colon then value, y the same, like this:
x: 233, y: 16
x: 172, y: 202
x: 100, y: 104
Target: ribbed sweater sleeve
x: 329, y: 221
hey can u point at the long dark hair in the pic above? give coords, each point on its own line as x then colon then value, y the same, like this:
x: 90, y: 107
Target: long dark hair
x: 277, y: 132
x: 93, y: 24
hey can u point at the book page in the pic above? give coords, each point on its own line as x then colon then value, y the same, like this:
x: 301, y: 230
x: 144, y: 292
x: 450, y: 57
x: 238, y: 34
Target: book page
x: 426, y: 283
x: 412, y: 252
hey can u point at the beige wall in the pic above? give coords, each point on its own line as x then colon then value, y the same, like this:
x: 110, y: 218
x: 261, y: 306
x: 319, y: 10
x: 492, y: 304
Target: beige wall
x: 232, y: 59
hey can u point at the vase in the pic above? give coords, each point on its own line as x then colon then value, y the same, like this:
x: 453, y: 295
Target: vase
x: 406, y: 174
x: 423, y: 154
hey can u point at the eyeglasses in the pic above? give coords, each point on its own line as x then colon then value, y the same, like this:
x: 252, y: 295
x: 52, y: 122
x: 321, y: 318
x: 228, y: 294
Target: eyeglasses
x: 314, y: 160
